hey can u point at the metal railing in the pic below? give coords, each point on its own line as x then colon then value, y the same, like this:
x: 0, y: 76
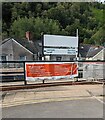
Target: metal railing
x: 13, y: 71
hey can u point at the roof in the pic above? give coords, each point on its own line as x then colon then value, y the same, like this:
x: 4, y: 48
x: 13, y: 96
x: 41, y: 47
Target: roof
x: 87, y: 50
x: 83, y: 49
x: 93, y: 51
x: 4, y: 41
x: 28, y: 45
x: 38, y: 46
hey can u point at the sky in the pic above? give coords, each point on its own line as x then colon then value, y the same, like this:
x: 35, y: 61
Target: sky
x: 101, y: 0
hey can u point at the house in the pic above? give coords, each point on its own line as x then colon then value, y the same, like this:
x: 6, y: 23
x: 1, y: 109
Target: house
x: 96, y: 53
x: 24, y: 50
x: 89, y: 70
x: 18, y: 50
x: 95, y: 70
x: 90, y: 52
x: 83, y: 50
x: 86, y: 52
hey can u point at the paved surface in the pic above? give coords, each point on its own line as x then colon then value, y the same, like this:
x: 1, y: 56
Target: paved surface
x: 84, y: 108
x: 76, y: 101
x: 48, y: 94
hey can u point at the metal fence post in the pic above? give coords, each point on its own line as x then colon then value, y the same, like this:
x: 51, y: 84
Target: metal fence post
x: 25, y: 82
x: 43, y: 81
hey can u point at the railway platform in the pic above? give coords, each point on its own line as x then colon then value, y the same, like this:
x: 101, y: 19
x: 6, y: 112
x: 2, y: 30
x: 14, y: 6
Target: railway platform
x: 54, y: 93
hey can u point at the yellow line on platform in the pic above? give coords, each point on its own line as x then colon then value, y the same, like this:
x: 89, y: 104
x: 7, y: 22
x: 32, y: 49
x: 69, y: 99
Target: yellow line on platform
x: 33, y: 101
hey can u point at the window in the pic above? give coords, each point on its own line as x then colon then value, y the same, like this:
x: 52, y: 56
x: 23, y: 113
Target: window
x: 47, y: 57
x: 58, y: 58
x: 22, y: 58
x: 71, y: 59
x: 3, y: 58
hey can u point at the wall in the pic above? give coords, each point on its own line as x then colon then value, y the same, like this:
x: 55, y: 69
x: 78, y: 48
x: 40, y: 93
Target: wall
x: 99, y: 56
x: 20, y: 51
x: 13, y: 51
x: 7, y: 50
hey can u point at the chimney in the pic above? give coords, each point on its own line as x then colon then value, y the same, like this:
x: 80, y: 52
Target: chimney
x: 28, y: 35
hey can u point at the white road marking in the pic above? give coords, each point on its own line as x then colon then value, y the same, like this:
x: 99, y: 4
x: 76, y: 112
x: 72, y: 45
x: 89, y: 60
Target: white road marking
x: 99, y: 99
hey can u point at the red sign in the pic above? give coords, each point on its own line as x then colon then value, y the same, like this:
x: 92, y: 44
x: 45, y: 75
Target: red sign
x: 48, y: 70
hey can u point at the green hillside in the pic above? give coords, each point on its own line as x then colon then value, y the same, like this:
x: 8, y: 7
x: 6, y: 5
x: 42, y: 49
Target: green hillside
x: 54, y: 18
x: 98, y: 13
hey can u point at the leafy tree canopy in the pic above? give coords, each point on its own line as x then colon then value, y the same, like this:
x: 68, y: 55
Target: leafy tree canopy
x: 54, y: 18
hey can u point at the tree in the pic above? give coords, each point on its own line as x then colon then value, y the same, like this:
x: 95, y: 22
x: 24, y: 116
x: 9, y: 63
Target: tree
x: 47, y: 26
x: 21, y: 26
x: 53, y: 18
x: 6, y: 18
x: 35, y: 25
x: 99, y: 37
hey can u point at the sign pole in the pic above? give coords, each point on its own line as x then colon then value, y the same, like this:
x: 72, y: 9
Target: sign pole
x: 42, y: 48
x: 77, y: 54
x: 42, y: 45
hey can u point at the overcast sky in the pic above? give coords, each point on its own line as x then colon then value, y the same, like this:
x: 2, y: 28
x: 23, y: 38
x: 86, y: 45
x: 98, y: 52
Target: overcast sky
x: 101, y: 0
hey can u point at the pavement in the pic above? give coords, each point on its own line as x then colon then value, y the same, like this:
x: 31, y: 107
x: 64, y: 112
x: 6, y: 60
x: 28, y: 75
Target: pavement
x: 54, y: 93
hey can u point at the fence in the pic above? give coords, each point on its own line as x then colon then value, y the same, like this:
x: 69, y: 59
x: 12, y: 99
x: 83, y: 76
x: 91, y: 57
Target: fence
x: 11, y: 71
x: 94, y: 70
